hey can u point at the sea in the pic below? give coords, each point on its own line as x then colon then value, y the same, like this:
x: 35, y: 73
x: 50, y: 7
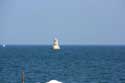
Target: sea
x: 71, y: 64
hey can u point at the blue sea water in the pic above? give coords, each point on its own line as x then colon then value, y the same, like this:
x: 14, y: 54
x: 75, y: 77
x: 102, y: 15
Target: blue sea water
x: 71, y: 64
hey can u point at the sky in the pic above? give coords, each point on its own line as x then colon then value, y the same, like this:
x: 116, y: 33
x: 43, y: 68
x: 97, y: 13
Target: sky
x: 78, y: 22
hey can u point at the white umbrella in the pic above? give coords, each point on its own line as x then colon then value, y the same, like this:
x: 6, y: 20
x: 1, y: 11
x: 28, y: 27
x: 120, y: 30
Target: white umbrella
x: 54, y: 81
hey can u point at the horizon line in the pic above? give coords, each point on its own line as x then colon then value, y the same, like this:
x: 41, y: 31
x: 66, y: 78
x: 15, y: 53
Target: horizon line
x: 65, y: 44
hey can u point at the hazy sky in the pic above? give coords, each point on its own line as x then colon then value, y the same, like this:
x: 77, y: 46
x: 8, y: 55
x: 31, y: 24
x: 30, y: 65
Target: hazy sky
x: 72, y: 21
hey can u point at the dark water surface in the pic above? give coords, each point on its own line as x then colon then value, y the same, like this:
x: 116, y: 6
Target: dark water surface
x: 72, y: 64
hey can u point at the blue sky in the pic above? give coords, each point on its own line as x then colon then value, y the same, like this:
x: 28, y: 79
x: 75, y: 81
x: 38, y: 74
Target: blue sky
x: 72, y: 21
